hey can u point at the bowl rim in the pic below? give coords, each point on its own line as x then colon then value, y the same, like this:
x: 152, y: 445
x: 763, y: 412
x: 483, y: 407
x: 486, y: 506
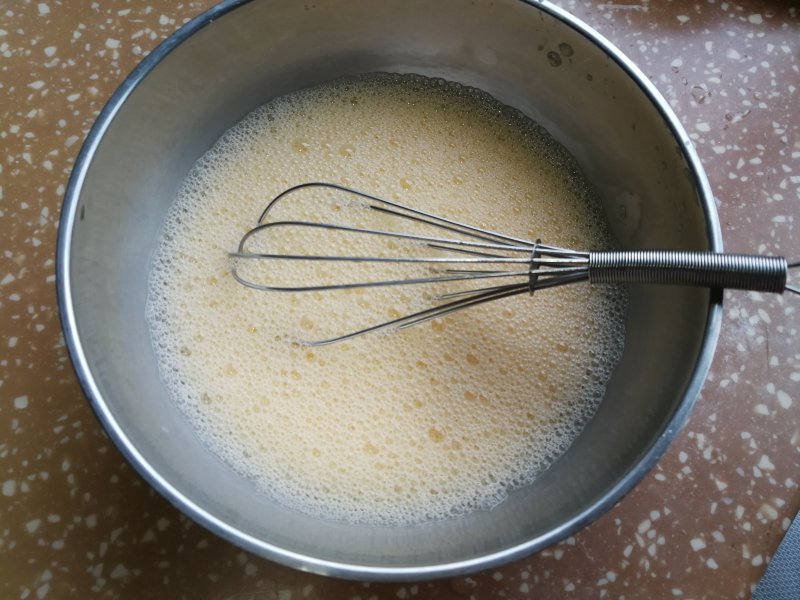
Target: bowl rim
x: 338, y: 568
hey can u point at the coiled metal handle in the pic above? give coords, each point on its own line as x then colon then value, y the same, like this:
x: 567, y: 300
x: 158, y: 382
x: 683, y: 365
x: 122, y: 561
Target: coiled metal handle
x: 675, y: 267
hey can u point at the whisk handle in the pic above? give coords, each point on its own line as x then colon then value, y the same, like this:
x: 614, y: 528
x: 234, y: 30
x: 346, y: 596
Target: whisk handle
x: 676, y: 267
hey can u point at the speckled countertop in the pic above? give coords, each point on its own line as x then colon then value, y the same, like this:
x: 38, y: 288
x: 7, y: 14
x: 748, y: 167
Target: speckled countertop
x: 77, y: 522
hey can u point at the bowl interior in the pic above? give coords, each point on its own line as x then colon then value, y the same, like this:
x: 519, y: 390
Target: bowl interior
x: 184, y: 97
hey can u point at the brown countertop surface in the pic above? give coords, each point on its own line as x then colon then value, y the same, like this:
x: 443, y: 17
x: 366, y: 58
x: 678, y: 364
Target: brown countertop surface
x: 77, y: 522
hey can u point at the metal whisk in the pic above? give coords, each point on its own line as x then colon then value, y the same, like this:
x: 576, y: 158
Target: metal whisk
x: 474, y: 265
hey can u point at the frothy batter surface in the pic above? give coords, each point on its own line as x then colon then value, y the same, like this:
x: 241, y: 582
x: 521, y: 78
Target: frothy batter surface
x: 427, y: 423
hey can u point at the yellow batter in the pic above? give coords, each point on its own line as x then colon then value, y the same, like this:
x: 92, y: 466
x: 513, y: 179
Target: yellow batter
x: 426, y: 423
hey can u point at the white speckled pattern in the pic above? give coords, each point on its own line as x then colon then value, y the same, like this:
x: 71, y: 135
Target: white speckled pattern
x: 76, y: 522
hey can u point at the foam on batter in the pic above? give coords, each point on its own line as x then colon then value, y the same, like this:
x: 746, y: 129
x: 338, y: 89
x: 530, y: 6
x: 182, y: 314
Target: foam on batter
x: 427, y: 423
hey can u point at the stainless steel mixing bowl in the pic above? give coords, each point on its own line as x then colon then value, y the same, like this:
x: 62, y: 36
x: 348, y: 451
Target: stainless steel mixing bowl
x: 530, y: 55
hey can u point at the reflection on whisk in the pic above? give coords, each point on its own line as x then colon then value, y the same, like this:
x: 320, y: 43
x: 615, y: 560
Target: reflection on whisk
x: 346, y: 239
